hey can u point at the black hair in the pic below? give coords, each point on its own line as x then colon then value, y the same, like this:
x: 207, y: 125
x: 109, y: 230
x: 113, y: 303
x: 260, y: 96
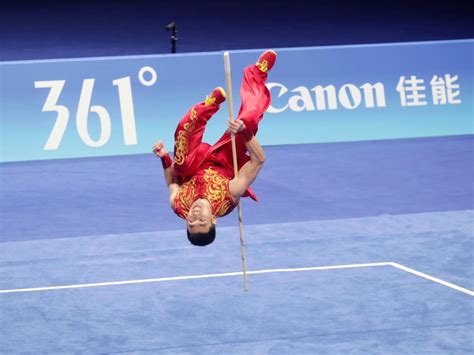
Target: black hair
x: 202, y: 239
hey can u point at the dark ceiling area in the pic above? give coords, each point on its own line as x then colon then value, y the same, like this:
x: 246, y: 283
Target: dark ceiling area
x: 64, y: 29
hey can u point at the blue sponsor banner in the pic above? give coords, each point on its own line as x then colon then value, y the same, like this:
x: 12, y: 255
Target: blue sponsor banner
x: 122, y: 105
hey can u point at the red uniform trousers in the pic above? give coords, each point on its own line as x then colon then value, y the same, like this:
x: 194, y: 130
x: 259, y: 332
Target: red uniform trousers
x: 192, y: 155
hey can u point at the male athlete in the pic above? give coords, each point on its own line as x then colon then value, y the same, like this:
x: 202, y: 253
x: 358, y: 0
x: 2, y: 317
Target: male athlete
x: 200, y: 178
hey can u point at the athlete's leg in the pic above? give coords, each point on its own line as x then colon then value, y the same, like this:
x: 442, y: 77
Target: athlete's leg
x: 188, y: 147
x: 255, y: 98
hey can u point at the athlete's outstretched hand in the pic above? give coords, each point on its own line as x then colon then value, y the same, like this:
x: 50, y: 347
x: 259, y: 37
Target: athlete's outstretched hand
x: 159, y: 149
x: 236, y: 126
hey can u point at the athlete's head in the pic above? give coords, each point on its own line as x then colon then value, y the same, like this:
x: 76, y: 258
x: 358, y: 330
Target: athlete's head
x: 200, y: 223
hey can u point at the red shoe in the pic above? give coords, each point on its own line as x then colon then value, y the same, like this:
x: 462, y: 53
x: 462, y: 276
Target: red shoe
x: 216, y: 97
x: 266, y: 61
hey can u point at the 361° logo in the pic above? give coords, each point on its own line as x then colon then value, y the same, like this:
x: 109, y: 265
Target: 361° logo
x: 147, y: 77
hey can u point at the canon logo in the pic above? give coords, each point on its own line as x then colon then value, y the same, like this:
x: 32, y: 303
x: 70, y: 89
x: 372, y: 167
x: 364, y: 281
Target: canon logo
x: 348, y: 96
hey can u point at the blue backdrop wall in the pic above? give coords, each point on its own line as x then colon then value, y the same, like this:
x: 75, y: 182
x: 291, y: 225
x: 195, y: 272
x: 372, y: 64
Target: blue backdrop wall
x: 121, y: 105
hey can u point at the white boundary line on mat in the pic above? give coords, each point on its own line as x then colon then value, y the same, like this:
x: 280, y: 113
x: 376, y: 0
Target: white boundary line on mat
x: 434, y: 279
x: 228, y: 274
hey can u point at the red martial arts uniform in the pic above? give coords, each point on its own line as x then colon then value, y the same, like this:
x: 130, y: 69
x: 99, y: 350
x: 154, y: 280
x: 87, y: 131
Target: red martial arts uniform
x: 204, y: 171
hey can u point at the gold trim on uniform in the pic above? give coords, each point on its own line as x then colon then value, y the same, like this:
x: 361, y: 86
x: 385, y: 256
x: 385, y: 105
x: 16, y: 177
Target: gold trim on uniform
x: 186, y: 194
x: 180, y: 148
x: 216, y: 190
x: 181, y: 144
x: 263, y: 66
x: 210, y: 100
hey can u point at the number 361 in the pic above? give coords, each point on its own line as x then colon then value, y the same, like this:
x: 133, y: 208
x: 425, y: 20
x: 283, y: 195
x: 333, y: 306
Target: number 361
x: 84, y: 108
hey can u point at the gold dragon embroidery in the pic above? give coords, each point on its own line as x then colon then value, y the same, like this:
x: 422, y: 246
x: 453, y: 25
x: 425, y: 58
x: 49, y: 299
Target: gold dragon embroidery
x: 216, y: 191
x: 181, y: 144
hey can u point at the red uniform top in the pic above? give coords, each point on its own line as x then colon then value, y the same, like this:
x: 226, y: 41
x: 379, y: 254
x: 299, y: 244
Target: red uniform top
x: 209, y: 184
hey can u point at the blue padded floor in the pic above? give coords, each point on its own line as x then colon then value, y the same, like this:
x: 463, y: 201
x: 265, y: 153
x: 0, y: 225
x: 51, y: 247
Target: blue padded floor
x: 402, y: 203
x: 374, y: 309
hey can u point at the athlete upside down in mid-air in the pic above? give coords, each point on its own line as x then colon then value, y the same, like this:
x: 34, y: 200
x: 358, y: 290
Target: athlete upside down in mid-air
x: 200, y: 178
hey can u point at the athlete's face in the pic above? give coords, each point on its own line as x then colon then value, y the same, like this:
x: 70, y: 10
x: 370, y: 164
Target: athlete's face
x: 200, y: 218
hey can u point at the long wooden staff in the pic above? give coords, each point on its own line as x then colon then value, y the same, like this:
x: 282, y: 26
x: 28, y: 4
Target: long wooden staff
x: 234, y: 156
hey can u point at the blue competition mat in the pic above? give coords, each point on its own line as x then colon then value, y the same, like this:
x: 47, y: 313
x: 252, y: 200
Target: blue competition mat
x: 355, y: 247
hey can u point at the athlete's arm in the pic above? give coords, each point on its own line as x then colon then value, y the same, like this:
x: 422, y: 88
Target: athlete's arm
x: 173, y: 188
x: 247, y: 174
x: 168, y: 171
